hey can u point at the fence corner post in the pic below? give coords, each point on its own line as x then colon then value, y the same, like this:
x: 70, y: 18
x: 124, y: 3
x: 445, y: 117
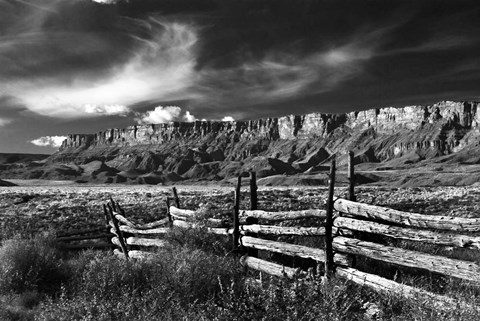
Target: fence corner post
x: 167, y: 203
x: 236, y: 215
x: 106, y: 216
x: 351, y: 177
x: 253, y: 191
x: 329, y: 264
x: 121, y: 239
x: 175, y: 196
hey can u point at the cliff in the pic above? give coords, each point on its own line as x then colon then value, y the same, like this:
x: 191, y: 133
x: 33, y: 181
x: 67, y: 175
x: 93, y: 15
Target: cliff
x: 290, y: 144
x: 383, y: 121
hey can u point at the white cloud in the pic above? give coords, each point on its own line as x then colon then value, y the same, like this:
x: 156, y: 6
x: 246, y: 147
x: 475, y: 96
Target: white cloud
x: 52, y: 141
x: 105, y: 1
x: 163, y: 68
x: 119, y: 110
x: 160, y: 115
x: 4, y: 121
x: 189, y: 117
x: 228, y: 118
x: 164, y: 115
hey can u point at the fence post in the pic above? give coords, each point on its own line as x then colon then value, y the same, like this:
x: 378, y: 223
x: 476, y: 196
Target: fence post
x: 253, y: 191
x: 329, y: 265
x: 351, y: 177
x: 236, y: 213
x: 114, y: 206
x: 167, y: 202
x: 253, y: 206
x: 117, y: 230
x: 175, y: 196
x: 105, y: 214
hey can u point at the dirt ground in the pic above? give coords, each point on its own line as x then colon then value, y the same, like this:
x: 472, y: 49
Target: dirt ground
x: 61, y: 206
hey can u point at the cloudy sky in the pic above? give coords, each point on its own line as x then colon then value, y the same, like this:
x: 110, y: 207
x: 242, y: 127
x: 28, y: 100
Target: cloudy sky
x: 80, y: 66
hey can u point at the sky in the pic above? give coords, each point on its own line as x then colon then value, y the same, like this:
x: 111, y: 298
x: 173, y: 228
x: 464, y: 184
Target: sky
x: 81, y: 66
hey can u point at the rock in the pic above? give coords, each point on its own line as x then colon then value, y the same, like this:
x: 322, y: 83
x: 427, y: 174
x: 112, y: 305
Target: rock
x: 183, y: 166
x: 312, y: 159
x: 203, y: 171
x: 280, y: 167
x: 151, y: 179
x: 372, y: 311
x: 217, y: 155
x: 446, y: 131
x: 365, y: 156
x: 264, y: 166
x: 94, y: 168
x: 156, y: 178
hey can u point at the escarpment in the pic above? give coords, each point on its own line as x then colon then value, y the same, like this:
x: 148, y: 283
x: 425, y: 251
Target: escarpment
x: 283, y: 145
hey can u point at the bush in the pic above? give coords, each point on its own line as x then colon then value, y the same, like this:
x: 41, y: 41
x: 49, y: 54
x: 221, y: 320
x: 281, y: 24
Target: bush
x: 176, y: 285
x: 108, y: 277
x: 194, y: 275
x: 30, y: 265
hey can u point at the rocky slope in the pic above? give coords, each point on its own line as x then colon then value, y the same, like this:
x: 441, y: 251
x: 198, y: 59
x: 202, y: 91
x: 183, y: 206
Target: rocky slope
x: 389, y: 137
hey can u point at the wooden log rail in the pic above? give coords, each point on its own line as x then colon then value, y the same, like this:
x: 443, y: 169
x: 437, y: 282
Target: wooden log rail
x: 291, y: 249
x: 446, y: 223
x: 189, y: 215
x: 410, y: 234
x: 213, y: 230
x: 283, y: 216
x: 135, y: 254
x: 181, y: 213
x: 469, y: 271
x: 383, y: 285
x: 146, y: 226
x: 81, y: 232
x: 82, y: 237
x: 85, y: 246
x: 282, y: 230
x: 152, y: 231
x: 138, y: 241
x: 119, y: 234
x: 270, y: 267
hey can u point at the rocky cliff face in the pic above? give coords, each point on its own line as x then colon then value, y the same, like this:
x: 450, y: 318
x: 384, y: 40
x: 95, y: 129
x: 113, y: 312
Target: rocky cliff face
x: 383, y: 121
x: 295, y: 143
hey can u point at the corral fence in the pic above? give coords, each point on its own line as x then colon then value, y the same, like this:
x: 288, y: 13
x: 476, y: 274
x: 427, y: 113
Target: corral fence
x: 349, y: 229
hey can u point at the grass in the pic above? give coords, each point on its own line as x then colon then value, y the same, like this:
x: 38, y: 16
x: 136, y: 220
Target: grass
x: 30, y: 265
x: 194, y: 278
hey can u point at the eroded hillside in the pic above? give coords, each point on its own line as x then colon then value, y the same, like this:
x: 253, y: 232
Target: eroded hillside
x: 446, y: 132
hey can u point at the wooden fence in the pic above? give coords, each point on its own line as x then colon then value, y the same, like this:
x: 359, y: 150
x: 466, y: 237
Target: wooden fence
x: 343, y: 223
x: 93, y: 238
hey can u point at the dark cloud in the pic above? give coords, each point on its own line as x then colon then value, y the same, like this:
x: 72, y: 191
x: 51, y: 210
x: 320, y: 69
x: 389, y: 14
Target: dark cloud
x: 82, y: 64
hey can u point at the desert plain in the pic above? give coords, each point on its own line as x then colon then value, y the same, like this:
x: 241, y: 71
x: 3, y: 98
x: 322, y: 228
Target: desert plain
x: 37, y: 206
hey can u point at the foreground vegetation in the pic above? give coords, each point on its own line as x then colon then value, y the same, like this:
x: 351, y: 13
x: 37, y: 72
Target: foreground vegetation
x: 195, y: 278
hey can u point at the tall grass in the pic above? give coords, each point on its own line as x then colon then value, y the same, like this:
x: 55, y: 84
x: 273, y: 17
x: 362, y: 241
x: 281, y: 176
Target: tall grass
x: 32, y: 264
x: 192, y: 279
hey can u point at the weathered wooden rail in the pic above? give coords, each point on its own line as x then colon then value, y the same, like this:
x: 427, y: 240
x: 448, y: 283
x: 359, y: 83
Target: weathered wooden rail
x: 76, y: 240
x: 431, y: 230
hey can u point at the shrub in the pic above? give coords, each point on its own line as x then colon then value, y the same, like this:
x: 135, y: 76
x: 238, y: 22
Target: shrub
x: 179, y: 284
x: 108, y: 277
x: 32, y: 264
x: 194, y: 275
x: 290, y: 300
